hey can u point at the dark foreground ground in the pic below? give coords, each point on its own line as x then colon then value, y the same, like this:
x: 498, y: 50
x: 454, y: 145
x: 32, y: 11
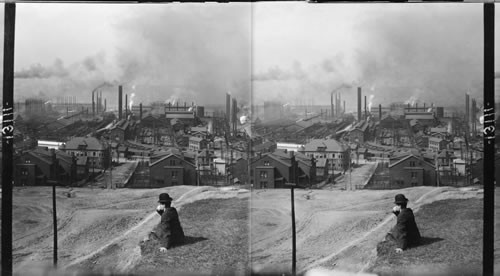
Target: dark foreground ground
x: 452, y: 233
x: 217, y: 241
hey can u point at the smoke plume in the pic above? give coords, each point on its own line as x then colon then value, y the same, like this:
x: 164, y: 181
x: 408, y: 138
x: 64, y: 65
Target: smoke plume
x: 420, y: 53
x: 194, y: 53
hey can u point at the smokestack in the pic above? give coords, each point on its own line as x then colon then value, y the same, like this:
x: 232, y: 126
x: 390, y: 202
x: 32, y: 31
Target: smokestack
x: 380, y: 112
x: 340, y: 102
x: 140, y: 111
x: 331, y: 104
x: 126, y: 106
x: 467, y: 113
x: 105, y: 106
x: 234, y: 115
x: 93, y: 104
x: 416, y: 106
x: 359, y: 103
x: 473, y: 117
x: 344, y: 108
x: 366, y: 115
x: 120, y: 105
x: 228, y: 107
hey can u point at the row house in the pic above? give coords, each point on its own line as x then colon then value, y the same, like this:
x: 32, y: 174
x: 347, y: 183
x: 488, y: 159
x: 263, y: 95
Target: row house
x: 411, y: 171
x: 172, y: 170
x: 336, y: 152
x: 437, y: 144
x: 200, y: 132
x: 95, y: 150
x: 37, y: 167
x: 197, y: 144
x: 274, y: 170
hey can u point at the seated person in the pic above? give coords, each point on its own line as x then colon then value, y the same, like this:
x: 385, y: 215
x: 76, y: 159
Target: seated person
x: 169, y: 231
x: 405, y: 233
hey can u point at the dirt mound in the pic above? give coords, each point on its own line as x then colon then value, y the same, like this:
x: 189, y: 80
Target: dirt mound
x: 98, y: 229
x: 451, y: 241
x: 216, y: 241
x: 335, y: 229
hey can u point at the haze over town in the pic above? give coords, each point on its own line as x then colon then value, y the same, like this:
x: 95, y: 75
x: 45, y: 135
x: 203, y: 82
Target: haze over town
x: 225, y: 107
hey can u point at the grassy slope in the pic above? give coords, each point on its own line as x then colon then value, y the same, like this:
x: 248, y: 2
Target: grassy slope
x: 452, y: 231
x: 217, y: 233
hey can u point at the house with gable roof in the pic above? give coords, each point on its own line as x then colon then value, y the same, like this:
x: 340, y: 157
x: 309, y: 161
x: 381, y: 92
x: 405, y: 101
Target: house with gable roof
x: 336, y: 152
x: 171, y: 170
x: 96, y: 151
x: 273, y: 170
x: 411, y: 171
x: 36, y: 167
x: 359, y: 134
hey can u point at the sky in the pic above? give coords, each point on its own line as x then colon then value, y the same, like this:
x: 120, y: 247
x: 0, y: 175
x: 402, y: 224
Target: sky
x: 424, y: 53
x: 158, y: 52
x: 290, y: 52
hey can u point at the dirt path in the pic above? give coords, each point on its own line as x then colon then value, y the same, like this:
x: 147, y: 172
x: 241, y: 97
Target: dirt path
x: 91, y: 225
x: 335, y: 229
x: 128, y: 244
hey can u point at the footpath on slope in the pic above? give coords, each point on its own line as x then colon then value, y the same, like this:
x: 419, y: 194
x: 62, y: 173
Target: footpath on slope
x: 358, y: 255
x: 129, y: 252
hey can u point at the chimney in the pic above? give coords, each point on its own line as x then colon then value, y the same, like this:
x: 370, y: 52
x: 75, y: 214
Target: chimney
x: 140, y: 111
x: 380, y: 112
x: 467, y: 113
x: 416, y: 107
x: 105, y: 106
x: 331, y: 104
x: 359, y: 103
x: 338, y: 105
x: 366, y: 115
x: 344, y: 108
x: 228, y: 107
x: 120, y: 106
x: 93, y: 104
x: 126, y: 106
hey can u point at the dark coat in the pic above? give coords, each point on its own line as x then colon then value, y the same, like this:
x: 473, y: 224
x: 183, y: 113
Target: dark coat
x: 406, y: 231
x: 169, y: 230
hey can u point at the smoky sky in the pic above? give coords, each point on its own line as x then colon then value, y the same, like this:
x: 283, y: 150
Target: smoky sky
x: 421, y: 53
x: 195, y: 53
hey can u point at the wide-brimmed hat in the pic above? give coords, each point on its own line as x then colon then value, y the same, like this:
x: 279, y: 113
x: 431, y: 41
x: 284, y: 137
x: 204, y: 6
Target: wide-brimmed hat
x: 164, y: 197
x: 400, y: 198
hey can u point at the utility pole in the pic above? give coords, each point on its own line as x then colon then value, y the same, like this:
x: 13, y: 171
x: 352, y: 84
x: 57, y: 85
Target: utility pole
x: 54, y: 217
x: 8, y: 135
x: 489, y: 139
x: 110, y: 168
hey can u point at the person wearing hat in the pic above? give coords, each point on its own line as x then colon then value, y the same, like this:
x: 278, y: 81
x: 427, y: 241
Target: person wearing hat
x: 169, y: 231
x: 405, y: 233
